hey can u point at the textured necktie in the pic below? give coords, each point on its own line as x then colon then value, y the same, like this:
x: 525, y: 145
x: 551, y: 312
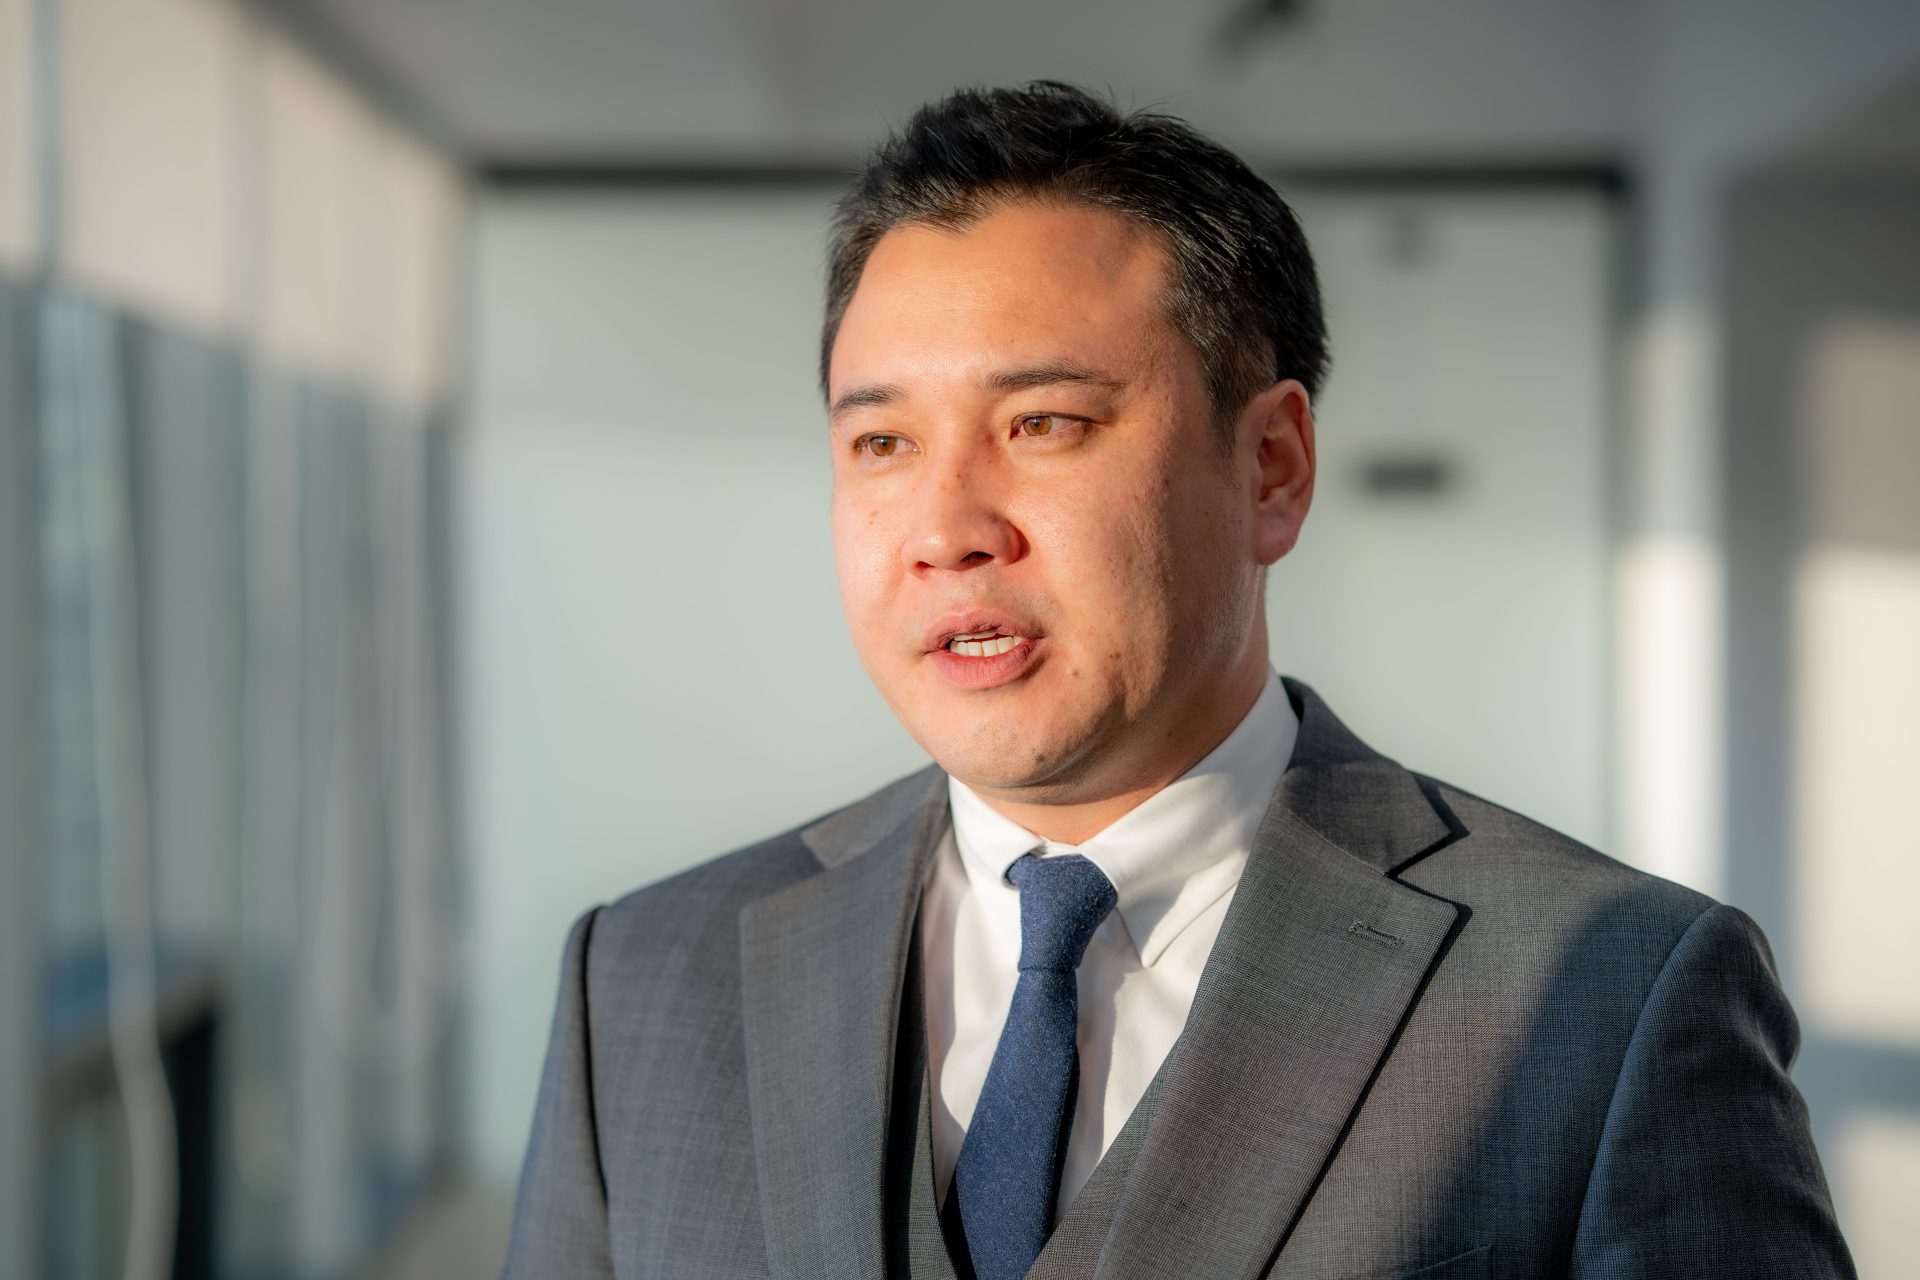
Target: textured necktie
x: 1008, y: 1171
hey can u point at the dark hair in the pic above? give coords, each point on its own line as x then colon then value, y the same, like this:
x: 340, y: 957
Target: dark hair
x: 1243, y: 288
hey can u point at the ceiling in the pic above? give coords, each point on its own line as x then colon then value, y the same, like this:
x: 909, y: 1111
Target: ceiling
x: 796, y: 82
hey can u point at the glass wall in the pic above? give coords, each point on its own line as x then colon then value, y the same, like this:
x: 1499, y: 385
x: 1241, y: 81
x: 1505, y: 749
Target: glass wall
x: 223, y: 396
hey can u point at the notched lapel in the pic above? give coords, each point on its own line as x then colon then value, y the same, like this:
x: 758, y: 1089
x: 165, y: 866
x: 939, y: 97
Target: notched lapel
x: 822, y: 964
x: 1319, y: 961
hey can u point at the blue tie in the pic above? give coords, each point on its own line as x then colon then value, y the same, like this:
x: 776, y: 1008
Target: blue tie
x: 1008, y: 1171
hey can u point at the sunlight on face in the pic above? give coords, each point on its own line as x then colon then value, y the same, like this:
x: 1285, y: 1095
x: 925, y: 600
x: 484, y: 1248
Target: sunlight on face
x: 1024, y: 451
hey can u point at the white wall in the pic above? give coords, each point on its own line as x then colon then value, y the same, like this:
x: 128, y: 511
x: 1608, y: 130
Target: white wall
x: 1465, y: 633
x: 151, y: 153
x: 19, y: 160
x: 213, y: 175
x: 656, y: 667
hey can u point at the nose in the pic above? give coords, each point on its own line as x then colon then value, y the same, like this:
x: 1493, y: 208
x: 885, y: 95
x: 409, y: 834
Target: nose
x: 960, y: 518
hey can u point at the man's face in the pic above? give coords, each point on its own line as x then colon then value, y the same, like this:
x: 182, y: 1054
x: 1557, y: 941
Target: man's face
x: 1023, y: 445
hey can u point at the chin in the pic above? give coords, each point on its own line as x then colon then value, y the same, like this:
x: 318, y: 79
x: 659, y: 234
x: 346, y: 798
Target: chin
x: 997, y: 751
x: 984, y: 774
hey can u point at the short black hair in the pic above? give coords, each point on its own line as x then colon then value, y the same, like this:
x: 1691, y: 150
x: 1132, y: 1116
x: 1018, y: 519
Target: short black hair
x: 1243, y: 291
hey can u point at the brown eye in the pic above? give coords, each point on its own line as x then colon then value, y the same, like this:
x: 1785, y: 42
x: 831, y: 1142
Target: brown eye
x: 880, y: 446
x: 1038, y: 424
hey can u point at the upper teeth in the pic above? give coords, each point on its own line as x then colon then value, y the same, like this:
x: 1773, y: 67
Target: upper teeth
x: 982, y: 649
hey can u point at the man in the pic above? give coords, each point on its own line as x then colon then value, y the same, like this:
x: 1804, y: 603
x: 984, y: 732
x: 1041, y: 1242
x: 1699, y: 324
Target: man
x: 1157, y: 970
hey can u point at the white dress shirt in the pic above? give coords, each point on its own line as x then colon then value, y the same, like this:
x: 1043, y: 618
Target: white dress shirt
x: 1174, y: 860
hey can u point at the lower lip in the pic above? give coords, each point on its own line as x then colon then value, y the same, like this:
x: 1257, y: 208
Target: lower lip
x: 964, y: 672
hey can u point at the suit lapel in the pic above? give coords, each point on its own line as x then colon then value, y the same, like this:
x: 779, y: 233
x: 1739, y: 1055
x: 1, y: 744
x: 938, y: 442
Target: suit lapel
x: 1318, y: 962
x: 822, y: 966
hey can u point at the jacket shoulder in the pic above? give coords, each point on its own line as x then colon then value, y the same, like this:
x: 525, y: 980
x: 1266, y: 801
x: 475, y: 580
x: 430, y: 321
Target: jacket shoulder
x: 1503, y: 858
x: 1550, y: 923
x: 704, y: 901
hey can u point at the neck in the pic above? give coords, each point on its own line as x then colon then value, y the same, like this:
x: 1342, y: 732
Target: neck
x: 1204, y: 727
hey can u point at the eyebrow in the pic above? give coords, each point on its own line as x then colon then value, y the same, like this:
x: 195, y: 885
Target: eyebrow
x: 1046, y: 374
x: 864, y: 398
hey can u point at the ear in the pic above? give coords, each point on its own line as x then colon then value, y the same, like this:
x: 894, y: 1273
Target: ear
x: 1276, y: 434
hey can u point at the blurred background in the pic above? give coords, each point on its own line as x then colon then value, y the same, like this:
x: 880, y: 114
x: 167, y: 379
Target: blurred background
x: 412, y: 486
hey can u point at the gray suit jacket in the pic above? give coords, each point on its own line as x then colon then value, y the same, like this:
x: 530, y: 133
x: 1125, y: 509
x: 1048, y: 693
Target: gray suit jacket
x: 1433, y: 1039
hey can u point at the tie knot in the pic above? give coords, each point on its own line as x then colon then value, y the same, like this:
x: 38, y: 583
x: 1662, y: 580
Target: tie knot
x: 1063, y: 899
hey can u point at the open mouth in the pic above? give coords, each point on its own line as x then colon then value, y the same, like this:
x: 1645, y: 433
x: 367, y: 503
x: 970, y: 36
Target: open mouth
x: 986, y: 644
x: 977, y: 660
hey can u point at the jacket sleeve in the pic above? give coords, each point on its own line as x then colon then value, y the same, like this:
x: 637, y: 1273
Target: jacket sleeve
x: 560, y: 1215
x: 1706, y: 1166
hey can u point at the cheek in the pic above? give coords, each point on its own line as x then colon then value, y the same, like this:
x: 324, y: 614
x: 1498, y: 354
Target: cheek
x: 1111, y: 558
x: 1147, y: 524
x: 1160, y: 539
x: 861, y: 556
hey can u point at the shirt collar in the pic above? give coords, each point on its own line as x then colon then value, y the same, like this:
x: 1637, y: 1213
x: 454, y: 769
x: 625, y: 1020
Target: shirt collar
x: 1175, y: 853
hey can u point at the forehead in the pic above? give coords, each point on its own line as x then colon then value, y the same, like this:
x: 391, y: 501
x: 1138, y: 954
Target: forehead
x: 1023, y: 281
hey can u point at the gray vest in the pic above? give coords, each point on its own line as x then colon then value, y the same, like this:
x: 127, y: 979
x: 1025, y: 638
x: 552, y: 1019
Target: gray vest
x: 925, y: 1244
